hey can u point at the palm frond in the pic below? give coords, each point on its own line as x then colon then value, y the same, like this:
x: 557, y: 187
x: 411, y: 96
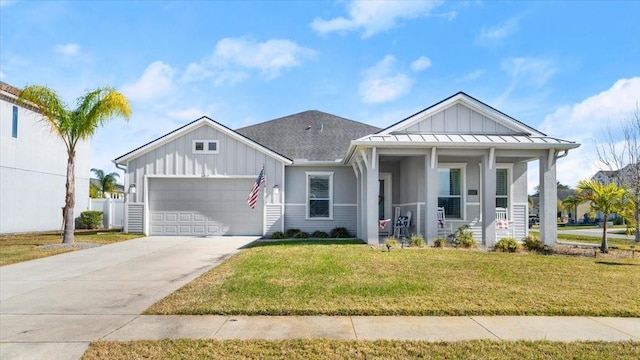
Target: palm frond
x: 54, y: 111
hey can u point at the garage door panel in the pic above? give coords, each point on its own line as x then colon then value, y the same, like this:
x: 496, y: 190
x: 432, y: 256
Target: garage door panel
x: 203, y: 207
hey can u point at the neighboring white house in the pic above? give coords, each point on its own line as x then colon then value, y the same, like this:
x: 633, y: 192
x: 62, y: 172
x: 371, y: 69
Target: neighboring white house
x: 627, y: 175
x: 33, y: 167
x: 324, y: 171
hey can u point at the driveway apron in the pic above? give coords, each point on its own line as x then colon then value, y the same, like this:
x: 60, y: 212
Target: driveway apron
x: 53, y: 307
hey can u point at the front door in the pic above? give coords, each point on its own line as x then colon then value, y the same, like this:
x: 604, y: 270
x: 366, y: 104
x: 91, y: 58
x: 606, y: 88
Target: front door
x: 384, y: 203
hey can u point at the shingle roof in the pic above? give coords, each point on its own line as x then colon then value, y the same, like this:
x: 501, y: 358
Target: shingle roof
x: 311, y: 135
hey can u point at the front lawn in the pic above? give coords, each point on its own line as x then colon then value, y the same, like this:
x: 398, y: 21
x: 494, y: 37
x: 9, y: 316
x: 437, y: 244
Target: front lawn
x: 611, y: 241
x: 23, y: 247
x: 290, y: 279
x: 341, y: 349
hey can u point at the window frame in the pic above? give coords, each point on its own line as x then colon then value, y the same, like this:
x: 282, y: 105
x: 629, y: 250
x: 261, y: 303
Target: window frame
x: 205, y: 147
x: 308, y: 175
x: 509, y: 179
x: 463, y: 188
x: 14, y: 122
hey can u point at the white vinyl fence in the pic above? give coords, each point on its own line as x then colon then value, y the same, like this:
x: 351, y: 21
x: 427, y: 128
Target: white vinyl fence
x: 112, y: 212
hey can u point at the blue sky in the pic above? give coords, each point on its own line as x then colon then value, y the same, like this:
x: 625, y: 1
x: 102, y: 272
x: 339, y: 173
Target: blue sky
x: 565, y: 68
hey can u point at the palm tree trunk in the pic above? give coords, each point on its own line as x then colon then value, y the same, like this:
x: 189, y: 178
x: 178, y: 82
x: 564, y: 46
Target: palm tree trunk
x: 69, y: 200
x: 604, y: 247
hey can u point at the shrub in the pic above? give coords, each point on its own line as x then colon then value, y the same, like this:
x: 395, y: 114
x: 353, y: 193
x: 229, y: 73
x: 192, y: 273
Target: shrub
x: 532, y: 243
x: 278, y: 235
x: 440, y: 242
x: 390, y: 242
x: 90, y: 219
x: 340, y: 232
x: 507, y: 244
x: 463, y: 237
x: 319, y: 234
x: 301, y: 235
x: 417, y: 240
x: 292, y: 232
x: 617, y: 220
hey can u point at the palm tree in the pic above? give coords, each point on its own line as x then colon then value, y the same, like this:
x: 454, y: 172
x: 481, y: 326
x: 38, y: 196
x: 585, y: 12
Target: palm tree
x: 571, y: 203
x: 608, y: 199
x: 107, y: 182
x: 94, y: 109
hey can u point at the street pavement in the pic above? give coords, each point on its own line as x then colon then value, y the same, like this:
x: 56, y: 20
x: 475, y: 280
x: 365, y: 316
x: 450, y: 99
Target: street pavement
x: 52, y: 308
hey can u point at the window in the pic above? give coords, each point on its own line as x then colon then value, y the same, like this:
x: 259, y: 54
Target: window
x: 502, y: 188
x: 450, y: 191
x: 205, y: 147
x: 319, y: 195
x: 14, y: 123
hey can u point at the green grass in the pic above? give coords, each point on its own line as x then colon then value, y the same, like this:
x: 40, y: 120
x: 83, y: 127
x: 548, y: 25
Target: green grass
x: 342, y: 349
x: 24, y: 247
x: 623, y: 244
x: 358, y: 280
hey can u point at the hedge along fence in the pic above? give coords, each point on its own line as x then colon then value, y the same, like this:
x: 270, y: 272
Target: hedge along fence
x: 90, y: 219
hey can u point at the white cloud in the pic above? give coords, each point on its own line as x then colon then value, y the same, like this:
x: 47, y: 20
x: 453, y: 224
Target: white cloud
x: 67, y: 49
x: 233, y: 59
x: 382, y: 82
x: 420, y: 64
x: 372, y: 17
x: 495, y: 34
x: 471, y: 76
x: 529, y: 71
x: 586, y: 122
x: 155, y: 82
x: 4, y: 3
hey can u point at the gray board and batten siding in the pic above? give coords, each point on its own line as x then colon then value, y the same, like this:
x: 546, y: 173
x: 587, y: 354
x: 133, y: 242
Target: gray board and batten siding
x: 344, y: 199
x: 204, y: 194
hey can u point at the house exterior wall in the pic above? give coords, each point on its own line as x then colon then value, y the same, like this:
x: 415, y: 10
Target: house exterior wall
x: 458, y: 119
x: 176, y: 158
x: 33, y: 168
x: 344, y: 199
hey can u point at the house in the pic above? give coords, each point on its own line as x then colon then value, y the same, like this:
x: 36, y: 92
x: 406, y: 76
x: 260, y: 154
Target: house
x: 628, y: 175
x: 324, y: 171
x: 118, y: 190
x: 33, y: 168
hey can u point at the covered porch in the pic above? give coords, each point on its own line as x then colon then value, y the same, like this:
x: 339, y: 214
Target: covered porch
x: 467, y: 176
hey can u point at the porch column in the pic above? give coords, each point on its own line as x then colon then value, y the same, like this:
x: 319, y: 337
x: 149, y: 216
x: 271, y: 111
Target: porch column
x: 488, y: 199
x: 431, y: 196
x: 362, y: 205
x: 372, y: 192
x: 358, y: 205
x: 548, y: 199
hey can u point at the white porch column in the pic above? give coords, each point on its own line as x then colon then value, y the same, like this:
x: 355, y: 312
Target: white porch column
x: 372, y: 192
x: 548, y: 199
x: 358, y: 205
x: 362, y: 207
x: 431, y: 196
x: 488, y: 199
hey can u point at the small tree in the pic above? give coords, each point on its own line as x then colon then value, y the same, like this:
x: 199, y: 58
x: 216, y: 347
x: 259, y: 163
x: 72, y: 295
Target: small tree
x: 608, y: 199
x: 108, y: 182
x: 93, y: 110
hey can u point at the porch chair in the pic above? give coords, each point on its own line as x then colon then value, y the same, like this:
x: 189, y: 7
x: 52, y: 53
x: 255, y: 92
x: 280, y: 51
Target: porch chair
x: 502, y: 223
x: 401, y: 230
x: 442, y: 223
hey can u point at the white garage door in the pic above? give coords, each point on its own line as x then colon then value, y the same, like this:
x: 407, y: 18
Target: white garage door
x: 203, y: 207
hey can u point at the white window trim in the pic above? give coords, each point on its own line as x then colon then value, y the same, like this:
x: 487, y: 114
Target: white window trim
x: 319, y: 173
x: 463, y: 189
x: 206, y: 147
x: 509, y: 167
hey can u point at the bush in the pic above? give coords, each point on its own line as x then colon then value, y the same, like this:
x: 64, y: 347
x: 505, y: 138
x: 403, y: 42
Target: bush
x: 440, y: 242
x: 417, y: 240
x: 507, y: 244
x: 390, y: 242
x: 319, y: 234
x: 301, y: 235
x: 617, y: 220
x: 463, y: 237
x: 292, y: 232
x: 532, y: 243
x: 90, y: 219
x: 340, y: 232
x: 278, y: 235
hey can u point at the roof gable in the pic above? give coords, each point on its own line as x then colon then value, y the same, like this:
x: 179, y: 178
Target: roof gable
x: 461, y: 114
x: 203, y: 121
x: 309, y: 135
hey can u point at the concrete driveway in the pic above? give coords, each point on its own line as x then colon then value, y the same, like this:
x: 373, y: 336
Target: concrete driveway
x: 52, y: 308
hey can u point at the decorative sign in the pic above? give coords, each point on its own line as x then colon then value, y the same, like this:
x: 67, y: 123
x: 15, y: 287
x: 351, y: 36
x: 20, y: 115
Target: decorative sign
x: 472, y: 192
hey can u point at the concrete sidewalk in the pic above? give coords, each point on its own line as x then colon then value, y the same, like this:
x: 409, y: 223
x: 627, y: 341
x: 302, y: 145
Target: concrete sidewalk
x: 428, y: 328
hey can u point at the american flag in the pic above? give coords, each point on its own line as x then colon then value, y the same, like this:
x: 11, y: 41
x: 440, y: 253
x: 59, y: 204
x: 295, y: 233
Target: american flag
x: 253, y: 195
